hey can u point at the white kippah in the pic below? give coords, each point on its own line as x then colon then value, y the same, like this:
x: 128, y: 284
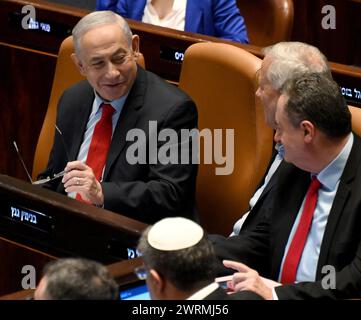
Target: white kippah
x: 172, y: 234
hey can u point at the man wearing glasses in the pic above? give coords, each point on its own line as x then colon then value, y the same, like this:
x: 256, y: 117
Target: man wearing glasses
x: 179, y: 263
x: 96, y: 115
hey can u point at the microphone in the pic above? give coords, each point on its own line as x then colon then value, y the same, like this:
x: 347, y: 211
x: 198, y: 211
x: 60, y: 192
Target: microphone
x: 63, y: 142
x: 41, y: 181
x: 22, y: 162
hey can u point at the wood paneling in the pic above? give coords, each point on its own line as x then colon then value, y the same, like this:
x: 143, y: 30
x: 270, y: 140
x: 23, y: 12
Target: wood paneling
x: 25, y: 84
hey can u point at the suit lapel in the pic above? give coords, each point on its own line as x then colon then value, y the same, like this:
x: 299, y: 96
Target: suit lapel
x: 339, y: 203
x: 288, y: 202
x: 127, y: 120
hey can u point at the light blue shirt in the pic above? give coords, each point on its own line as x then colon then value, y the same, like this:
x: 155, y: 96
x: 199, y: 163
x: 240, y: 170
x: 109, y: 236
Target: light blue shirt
x: 94, y: 117
x: 330, y: 180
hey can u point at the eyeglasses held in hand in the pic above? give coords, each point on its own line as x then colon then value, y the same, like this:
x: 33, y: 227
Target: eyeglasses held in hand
x: 49, y: 178
x: 41, y: 181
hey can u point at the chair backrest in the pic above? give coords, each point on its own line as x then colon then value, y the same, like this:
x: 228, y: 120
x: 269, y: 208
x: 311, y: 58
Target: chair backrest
x: 267, y: 21
x: 356, y: 119
x: 66, y: 74
x: 221, y: 80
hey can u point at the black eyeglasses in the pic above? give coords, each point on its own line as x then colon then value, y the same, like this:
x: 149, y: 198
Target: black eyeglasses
x: 141, y: 272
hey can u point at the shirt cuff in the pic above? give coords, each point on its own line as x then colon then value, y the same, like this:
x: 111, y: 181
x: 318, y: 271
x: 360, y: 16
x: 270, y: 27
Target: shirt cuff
x: 274, y: 294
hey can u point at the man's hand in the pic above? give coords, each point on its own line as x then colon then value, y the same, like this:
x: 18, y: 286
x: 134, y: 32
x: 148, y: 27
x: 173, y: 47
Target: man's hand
x: 248, y: 279
x: 80, y: 179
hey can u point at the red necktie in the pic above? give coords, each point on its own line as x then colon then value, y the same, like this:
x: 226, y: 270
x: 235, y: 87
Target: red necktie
x: 100, y: 143
x: 299, y: 239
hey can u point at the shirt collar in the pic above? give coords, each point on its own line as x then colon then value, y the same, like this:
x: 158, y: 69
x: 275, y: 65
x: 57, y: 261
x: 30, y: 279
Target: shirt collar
x: 330, y: 175
x: 204, y: 292
x: 116, y: 104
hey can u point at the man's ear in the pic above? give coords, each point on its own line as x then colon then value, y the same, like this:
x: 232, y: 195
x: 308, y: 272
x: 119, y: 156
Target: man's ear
x: 157, y: 281
x: 78, y: 64
x: 135, y: 44
x: 308, y: 130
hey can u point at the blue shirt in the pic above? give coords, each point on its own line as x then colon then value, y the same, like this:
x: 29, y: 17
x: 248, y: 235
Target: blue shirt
x: 330, y: 179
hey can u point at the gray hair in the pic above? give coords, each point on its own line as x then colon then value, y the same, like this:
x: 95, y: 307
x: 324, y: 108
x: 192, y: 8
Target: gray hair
x: 79, y: 279
x: 96, y: 19
x: 291, y: 58
x: 187, y: 269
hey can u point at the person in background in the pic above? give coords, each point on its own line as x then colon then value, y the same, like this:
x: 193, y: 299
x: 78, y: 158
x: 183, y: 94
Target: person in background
x: 76, y: 279
x: 179, y: 263
x: 218, y: 18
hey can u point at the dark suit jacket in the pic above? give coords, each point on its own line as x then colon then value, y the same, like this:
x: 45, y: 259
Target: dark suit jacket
x: 260, y: 211
x: 263, y: 247
x: 147, y: 192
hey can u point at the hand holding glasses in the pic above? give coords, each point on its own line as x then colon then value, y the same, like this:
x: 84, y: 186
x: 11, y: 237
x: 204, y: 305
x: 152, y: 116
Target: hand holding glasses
x: 49, y: 178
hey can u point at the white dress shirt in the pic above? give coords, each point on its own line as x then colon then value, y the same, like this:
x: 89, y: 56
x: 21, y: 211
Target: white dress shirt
x: 204, y: 292
x: 174, y: 19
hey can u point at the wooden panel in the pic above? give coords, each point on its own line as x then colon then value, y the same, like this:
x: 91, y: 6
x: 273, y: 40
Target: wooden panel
x: 14, y: 258
x: 25, y: 87
x: 342, y: 44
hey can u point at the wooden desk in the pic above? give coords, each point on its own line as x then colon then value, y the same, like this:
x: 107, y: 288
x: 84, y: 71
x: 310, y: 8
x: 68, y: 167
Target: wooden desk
x: 38, y: 225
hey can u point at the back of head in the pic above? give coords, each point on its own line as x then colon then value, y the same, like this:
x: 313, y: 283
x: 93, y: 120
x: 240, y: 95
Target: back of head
x: 96, y: 19
x: 289, y: 59
x: 318, y: 99
x: 178, y: 250
x: 79, y: 279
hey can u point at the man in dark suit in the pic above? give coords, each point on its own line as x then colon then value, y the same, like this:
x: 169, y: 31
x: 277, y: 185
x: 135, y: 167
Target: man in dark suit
x: 136, y: 177
x: 179, y: 263
x: 281, y: 61
x: 320, y: 259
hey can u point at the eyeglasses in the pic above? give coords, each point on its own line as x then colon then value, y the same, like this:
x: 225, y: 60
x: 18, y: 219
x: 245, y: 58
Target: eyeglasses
x: 141, y: 272
x: 49, y: 178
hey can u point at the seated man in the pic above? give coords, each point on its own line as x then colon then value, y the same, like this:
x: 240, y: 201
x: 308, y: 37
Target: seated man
x: 109, y: 128
x: 281, y: 61
x: 76, y: 279
x: 179, y: 262
x: 310, y: 241
x: 218, y: 18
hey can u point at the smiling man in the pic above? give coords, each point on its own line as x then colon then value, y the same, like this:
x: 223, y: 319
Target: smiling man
x: 95, y: 116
